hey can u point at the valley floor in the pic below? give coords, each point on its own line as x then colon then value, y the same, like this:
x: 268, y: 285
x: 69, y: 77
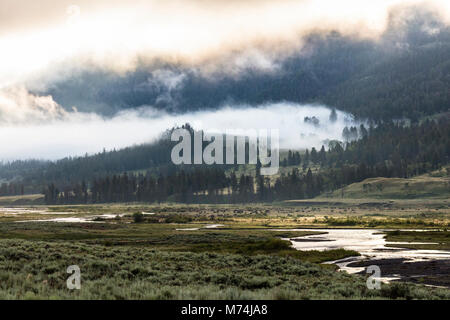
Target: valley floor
x: 173, y: 251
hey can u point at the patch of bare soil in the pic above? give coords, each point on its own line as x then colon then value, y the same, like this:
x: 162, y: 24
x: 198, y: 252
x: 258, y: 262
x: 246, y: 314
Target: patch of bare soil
x: 429, y: 272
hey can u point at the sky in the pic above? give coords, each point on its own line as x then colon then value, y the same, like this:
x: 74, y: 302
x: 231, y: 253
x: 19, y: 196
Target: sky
x: 45, y: 41
x: 39, y: 37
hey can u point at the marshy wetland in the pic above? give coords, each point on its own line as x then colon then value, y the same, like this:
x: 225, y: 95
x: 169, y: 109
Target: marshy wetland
x: 292, y: 250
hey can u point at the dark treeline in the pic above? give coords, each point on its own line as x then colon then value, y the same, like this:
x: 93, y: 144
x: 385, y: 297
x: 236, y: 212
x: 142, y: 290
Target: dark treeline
x: 127, y: 188
x: 12, y: 189
x: 201, y: 185
x: 389, y: 150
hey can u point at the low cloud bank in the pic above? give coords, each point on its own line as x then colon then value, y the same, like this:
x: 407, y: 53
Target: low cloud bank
x: 73, y: 133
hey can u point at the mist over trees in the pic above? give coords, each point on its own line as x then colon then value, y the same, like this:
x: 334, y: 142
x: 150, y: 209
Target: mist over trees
x: 388, y: 150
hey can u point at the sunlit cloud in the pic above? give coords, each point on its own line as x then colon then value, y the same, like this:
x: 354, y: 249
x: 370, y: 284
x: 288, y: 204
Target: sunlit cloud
x: 116, y: 35
x: 18, y: 106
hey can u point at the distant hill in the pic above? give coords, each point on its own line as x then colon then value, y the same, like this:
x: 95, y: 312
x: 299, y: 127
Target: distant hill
x: 25, y: 200
x: 433, y: 185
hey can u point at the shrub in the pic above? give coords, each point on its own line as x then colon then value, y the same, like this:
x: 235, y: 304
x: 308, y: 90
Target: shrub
x: 138, y: 217
x: 397, y: 291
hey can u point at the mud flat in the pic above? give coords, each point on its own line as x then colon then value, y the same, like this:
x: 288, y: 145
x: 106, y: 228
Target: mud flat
x: 430, y: 267
x: 435, y: 272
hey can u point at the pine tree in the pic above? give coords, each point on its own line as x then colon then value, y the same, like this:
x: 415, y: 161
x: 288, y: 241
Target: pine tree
x: 333, y: 116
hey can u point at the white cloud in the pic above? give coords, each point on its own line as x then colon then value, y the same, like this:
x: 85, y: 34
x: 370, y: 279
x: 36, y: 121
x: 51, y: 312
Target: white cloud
x: 17, y: 105
x: 80, y: 133
x: 116, y: 35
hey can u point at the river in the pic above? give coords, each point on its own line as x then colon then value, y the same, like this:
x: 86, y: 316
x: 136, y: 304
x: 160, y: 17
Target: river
x: 372, y: 246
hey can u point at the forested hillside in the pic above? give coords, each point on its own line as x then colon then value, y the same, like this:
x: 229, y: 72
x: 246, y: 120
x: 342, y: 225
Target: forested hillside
x: 413, y: 84
x: 35, y: 175
x: 389, y: 150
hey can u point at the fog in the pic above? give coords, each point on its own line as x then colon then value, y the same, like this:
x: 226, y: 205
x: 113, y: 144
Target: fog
x: 78, y: 133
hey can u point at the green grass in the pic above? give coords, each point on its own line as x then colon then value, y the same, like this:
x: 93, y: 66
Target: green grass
x: 151, y: 259
x: 439, y: 240
x: 432, y: 185
x: 235, y: 240
x: 384, y: 222
x: 37, y: 270
x: 275, y: 247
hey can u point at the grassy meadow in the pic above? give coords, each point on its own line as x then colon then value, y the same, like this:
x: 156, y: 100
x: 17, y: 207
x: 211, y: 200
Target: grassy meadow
x: 427, y: 186
x: 37, y: 270
x: 175, y: 251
